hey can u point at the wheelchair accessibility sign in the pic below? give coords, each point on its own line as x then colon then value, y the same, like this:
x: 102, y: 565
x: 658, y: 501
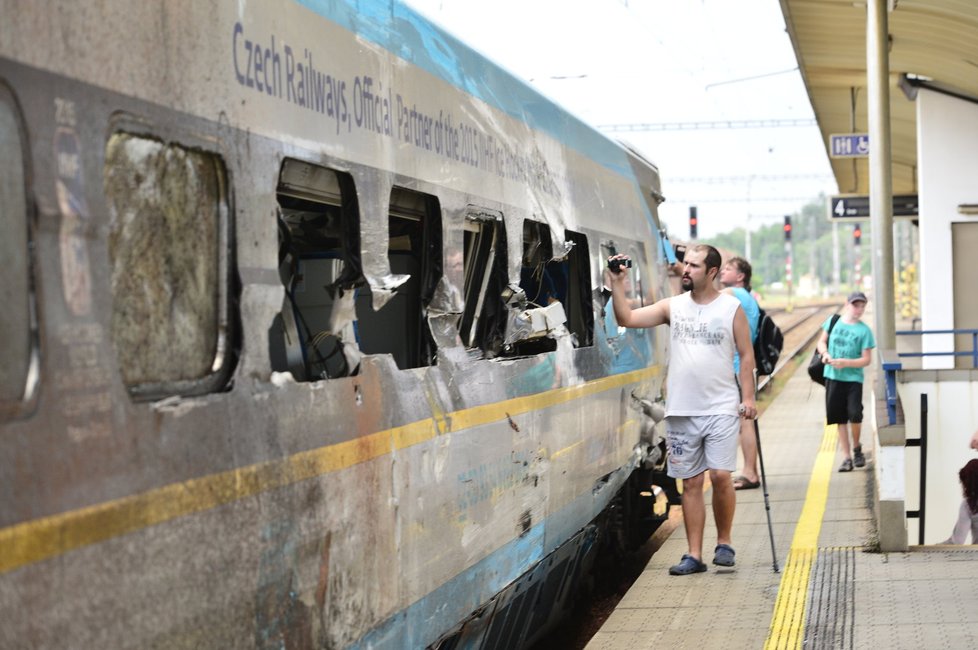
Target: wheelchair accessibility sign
x: 849, y: 145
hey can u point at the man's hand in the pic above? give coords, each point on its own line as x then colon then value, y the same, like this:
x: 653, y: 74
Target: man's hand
x: 747, y: 410
x: 617, y: 265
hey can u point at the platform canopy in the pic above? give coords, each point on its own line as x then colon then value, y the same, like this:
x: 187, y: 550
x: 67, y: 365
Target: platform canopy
x: 932, y: 41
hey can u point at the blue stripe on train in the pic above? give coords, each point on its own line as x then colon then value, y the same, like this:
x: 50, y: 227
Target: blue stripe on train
x: 408, y: 35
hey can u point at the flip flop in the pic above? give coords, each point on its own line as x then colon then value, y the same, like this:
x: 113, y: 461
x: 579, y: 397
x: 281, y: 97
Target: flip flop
x: 741, y: 483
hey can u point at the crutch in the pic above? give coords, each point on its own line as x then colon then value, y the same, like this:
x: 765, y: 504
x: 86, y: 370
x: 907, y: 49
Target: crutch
x: 767, y: 503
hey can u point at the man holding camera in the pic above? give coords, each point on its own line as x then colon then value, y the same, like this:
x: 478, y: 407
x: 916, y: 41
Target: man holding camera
x: 703, y: 403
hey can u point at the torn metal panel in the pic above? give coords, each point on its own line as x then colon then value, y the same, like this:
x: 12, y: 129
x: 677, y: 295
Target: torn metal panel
x: 373, y: 198
x: 533, y: 323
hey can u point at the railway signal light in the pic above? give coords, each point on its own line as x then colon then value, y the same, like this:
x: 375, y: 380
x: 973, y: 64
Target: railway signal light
x: 692, y: 222
x: 857, y: 234
x: 787, y: 228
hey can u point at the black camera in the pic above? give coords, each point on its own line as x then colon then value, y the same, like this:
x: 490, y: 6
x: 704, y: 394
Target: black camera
x: 680, y: 251
x: 616, y: 264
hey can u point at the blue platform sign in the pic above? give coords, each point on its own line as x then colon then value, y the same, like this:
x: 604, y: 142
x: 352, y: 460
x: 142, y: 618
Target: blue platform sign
x: 849, y: 145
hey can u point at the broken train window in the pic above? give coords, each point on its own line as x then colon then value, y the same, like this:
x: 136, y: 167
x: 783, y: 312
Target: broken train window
x: 169, y: 255
x: 313, y: 337
x: 557, y: 286
x: 576, y: 267
x: 17, y: 327
x: 483, y: 322
x: 634, y: 288
x: 400, y: 327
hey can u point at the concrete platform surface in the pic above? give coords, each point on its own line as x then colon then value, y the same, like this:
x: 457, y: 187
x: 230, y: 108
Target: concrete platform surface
x: 833, y: 589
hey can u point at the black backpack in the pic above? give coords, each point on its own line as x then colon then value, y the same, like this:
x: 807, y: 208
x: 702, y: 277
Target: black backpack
x: 767, y: 345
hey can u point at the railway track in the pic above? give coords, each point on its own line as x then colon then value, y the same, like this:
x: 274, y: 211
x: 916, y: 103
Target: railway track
x: 799, y: 326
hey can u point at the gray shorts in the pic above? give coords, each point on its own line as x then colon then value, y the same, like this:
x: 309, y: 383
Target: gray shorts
x: 700, y: 442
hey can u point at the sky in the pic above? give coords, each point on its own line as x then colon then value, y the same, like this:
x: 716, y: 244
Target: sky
x: 628, y: 62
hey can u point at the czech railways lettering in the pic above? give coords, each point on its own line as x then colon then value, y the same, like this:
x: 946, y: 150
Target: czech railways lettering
x: 272, y: 67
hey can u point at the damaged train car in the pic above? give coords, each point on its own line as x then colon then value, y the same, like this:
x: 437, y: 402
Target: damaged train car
x: 305, y: 336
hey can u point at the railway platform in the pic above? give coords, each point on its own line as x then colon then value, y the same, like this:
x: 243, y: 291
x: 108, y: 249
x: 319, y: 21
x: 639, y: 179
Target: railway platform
x: 834, y: 588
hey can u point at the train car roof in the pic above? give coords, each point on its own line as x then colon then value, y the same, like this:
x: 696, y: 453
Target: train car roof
x: 414, y: 38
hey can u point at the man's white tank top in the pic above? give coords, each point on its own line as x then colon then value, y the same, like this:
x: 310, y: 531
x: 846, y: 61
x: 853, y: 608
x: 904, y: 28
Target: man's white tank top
x: 701, y: 377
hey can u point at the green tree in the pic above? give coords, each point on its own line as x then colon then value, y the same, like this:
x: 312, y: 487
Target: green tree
x: 811, y: 237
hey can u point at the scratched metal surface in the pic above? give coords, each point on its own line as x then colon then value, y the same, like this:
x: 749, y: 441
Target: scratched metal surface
x: 273, y: 512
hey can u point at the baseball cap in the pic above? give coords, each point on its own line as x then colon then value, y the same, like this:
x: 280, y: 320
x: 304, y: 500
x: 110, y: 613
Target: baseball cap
x: 856, y: 296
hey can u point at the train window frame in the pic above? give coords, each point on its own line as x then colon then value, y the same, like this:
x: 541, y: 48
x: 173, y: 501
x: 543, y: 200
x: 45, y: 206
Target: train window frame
x: 414, y: 226
x: 20, y: 339
x: 319, y: 267
x: 546, y: 278
x: 637, y: 253
x: 579, y: 306
x: 608, y: 248
x: 214, y: 373
x: 484, y: 255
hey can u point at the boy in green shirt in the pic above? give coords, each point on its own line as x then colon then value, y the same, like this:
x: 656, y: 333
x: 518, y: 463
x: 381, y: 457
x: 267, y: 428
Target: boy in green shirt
x: 845, y: 354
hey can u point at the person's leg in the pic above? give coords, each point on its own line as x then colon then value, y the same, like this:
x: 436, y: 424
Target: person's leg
x: 856, y: 422
x: 837, y: 412
x: 844, y: 441
x: 720, y: 448
x: 748, y: 445
x: 694, y: 514
x: 687, y: 461
x: 724, y: 504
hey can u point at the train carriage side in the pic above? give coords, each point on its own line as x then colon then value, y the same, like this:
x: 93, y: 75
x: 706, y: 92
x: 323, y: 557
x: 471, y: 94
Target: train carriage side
x: 306, y: 332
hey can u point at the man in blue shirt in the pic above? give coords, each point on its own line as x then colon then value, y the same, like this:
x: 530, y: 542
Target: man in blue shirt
x: 735, y: 276
x: 845, y: 353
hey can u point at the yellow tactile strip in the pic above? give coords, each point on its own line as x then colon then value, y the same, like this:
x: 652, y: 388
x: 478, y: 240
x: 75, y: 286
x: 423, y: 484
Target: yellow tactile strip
x: 788, y: 620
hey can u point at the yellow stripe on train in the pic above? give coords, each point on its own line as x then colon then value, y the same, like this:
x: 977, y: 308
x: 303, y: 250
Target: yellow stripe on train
x: 40, y: 539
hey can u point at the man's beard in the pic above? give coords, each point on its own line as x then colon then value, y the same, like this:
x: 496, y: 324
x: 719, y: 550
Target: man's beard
x: 686, y: 283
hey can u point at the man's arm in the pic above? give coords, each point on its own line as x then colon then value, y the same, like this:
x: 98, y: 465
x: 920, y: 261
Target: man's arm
x: 648, y: 316
x: 823, y: 346
x: 746, y: 351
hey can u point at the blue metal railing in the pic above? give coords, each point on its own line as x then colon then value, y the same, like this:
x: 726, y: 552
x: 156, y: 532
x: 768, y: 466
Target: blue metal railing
x: 974, y: 344
x: 891, y: 366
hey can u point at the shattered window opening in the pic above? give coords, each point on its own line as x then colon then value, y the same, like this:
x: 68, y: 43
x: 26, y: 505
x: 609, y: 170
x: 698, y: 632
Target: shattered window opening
x: 484, y: 267
x: 400, y: 328
x: 313, y: 337
x: 577, y: 302
x: 554, y: 297
x: 168, y: 243
x: 16, y: 322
